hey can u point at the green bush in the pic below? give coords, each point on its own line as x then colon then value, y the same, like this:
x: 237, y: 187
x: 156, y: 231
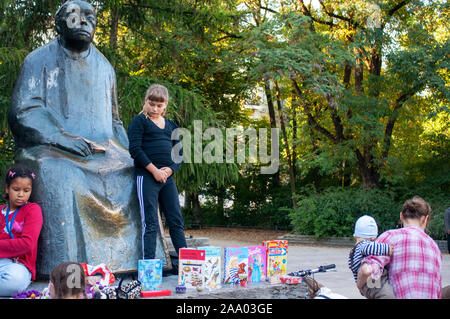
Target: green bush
x: 439, y: 203
x: 333, y: 212
x: 262, y: 208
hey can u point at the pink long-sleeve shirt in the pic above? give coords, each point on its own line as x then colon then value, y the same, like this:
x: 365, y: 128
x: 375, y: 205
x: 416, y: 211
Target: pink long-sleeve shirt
x: 415, y: 266
x: 26, y: 229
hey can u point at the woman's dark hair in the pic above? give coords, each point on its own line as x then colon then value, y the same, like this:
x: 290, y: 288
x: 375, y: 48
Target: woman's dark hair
x: 416, y: 208
x: 18, y: 170
x: 68, y: 279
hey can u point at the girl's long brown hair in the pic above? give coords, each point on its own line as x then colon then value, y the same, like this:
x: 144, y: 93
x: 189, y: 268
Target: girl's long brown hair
x: 62, y: 275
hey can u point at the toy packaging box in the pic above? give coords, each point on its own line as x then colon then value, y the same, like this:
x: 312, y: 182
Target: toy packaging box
x: 291, y: 280
x: 212, y: 277
x: 235, y: 265
x: 257, y: 261
x: 150, y: 274
x: 276, y: 259
x: 190, y: 266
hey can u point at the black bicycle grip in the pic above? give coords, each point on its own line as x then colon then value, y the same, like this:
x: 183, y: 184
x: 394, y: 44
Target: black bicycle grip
x: 328, y: 266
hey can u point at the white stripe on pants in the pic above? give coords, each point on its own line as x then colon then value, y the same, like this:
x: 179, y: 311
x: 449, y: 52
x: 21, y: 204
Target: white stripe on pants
x: 139, y: 182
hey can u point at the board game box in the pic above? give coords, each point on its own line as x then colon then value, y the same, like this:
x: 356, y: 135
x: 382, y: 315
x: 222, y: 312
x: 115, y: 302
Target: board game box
x: 190, y: 267
x: 212, y: 277
x: 276, y: 259
x: 150, y: 274
x: 235, y: 265
x: 257, y: 261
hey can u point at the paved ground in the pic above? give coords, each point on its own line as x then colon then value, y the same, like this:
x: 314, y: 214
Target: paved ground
x: 300, y: 257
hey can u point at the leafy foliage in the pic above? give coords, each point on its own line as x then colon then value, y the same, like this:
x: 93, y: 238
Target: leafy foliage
x: 334, y: 212
x: 363, y: 95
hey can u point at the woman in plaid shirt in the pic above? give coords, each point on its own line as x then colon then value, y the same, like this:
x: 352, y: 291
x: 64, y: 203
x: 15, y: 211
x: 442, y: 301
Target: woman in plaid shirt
x: 414, y: 268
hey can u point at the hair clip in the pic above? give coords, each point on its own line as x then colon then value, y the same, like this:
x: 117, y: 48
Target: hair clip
x: 33, y: 176
x: 11, y: 174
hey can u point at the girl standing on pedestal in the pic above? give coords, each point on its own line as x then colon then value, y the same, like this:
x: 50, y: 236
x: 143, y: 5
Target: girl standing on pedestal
x: 149, y: 135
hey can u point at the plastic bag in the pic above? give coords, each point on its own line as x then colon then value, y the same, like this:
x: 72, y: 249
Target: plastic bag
x: 101, y: 269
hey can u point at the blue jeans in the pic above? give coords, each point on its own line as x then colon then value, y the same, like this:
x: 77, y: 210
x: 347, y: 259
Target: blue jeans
x: 14, y: 277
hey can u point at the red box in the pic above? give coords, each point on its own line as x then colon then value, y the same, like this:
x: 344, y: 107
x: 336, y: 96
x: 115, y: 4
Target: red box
x: 156, y: 293
x: 290, y: 280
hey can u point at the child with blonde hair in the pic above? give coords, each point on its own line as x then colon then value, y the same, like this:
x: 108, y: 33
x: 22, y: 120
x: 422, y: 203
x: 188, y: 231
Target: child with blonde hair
x: 151, y: 144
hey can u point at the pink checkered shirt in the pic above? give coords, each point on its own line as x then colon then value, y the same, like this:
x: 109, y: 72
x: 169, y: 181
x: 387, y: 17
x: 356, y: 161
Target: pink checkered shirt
x: 415, y: 265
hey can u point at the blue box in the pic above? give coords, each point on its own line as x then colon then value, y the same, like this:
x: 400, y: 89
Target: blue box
x: 150, y: 274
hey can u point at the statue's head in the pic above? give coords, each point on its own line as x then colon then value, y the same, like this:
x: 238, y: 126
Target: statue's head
x: 76, y: 21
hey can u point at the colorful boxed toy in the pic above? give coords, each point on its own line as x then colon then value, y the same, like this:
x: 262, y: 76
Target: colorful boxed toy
x: 276, y: 259
x: 212, y: 276
x: 257, y: 261
x: 150, y: 274
x: 290, y: 280
x: 235, y: 265
x: 190, y: 267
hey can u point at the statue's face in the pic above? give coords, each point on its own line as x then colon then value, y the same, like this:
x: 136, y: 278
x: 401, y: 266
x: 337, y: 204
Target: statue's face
x: 78, y: 22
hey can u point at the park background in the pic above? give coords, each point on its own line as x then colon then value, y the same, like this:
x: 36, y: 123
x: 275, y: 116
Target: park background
x: 359, y: 90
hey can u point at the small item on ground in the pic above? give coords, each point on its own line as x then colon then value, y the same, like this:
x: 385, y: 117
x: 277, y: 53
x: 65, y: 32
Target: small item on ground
x: 180, y: 289
x: 156, y: 293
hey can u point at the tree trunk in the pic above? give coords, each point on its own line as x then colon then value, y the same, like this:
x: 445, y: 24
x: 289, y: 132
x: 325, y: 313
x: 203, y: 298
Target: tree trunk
x: 347, y: 74
x: 114, y: 26
x: 294, y: 137
x: 286, y: 142
x: 273, y: 122
x: 359, y: 74
x: 368, y: 171
x: 315, y: 171
x: 220, y: 192
x: 195, y: 208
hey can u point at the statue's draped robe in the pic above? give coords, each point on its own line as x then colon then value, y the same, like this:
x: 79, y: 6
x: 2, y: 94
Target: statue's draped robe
x: 90, y: 206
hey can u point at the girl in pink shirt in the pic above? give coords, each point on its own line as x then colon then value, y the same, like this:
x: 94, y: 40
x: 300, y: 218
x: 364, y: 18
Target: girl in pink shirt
x: 20, y: 225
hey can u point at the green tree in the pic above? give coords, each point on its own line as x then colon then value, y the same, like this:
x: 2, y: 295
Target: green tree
x: 333, y: 59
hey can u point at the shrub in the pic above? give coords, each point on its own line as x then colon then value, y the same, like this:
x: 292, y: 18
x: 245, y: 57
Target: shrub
x: 333, y: 212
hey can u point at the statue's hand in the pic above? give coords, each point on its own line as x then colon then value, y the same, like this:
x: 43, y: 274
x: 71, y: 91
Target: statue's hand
x: 73, y: 144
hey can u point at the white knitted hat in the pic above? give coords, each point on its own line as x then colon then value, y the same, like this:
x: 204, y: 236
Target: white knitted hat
x: 366, y: 227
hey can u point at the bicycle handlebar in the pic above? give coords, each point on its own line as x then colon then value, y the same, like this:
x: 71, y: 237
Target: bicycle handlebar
x: 326, y: 267
x: 303, y: 273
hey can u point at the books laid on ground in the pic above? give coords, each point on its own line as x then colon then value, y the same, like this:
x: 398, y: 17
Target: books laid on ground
x: 150, y: 274
x: 212, y: 277
x: 235, y: 265
x: 276, y: 259
x: 257, y: 260
x: 190, y: 266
